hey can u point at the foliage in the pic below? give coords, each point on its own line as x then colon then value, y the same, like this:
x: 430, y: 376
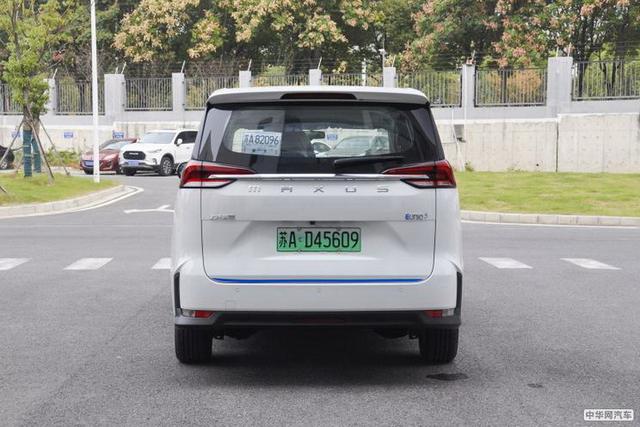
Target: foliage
x: 31, y: 30
x: 513, y: 33
x: 69, y: 158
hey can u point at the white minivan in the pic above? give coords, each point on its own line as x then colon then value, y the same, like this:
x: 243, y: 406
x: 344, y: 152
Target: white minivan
x: 159, y: 151
x: 269, y: 233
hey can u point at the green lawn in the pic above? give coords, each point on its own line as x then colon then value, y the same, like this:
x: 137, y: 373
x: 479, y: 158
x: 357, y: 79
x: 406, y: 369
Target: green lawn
x: 558, y: 193
x: 36, y: 189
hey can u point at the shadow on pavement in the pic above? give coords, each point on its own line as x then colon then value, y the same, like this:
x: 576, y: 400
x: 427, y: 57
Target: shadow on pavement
x: 318, y: 357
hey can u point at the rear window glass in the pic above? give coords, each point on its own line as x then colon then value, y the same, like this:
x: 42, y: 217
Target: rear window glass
x: 309, y: 138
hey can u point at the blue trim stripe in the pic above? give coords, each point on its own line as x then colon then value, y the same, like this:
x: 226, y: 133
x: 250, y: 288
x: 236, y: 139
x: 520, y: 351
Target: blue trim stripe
x: 262, y: 281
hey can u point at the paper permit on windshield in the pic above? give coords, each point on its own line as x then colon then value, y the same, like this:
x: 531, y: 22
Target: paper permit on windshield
x: 261, y: 142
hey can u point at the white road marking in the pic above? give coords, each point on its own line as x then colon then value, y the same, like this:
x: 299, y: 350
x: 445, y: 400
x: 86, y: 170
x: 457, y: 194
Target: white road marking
x: 133, y: 192
x: 9, y: 263
x: 88, y: 264
x: 504, y: 263
x: 591, y: 264
x: 162, y: 264
x: 163, y: 208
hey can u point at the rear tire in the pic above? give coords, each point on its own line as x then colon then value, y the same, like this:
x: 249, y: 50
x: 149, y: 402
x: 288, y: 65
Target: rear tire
x: 88, y: 171
x: 438, y: 346
x: 193, y: 345
x: 129, y: 172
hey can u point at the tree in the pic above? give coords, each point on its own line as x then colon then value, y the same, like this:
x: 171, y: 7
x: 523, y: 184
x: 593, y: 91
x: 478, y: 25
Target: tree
x: 283, y: 32
x: 450, y: 31
x: 32, y: 30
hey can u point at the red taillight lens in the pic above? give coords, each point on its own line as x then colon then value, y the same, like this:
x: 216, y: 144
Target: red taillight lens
x: 433, y: 314
x: 426, y: 175
x: 198, y: 314
x: 198, y: 174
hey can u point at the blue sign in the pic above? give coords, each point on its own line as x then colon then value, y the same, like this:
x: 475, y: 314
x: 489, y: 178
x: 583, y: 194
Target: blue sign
x: 117, y: 134
x: 68, y: 134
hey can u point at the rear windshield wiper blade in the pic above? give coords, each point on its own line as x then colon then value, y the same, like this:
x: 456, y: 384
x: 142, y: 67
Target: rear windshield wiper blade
x: 350, y: 161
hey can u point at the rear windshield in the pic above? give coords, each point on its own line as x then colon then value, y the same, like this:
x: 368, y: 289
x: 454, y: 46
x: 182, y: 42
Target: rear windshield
x: 311, y: 138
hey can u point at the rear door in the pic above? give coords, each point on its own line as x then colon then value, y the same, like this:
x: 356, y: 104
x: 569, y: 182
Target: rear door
x: 275, y: 210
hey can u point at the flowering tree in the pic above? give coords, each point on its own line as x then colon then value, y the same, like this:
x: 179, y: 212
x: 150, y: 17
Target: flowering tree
x: 284, y: 29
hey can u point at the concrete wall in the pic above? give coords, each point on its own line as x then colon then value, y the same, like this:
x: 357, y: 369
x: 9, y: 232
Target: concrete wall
x: 570, y: 143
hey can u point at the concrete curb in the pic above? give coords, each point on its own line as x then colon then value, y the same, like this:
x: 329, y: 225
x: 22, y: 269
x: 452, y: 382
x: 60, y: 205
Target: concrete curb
x: 549, y: 219
x: 81, y: 202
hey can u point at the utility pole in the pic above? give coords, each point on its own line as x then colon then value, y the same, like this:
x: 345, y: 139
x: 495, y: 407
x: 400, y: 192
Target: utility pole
x: 94, y: 94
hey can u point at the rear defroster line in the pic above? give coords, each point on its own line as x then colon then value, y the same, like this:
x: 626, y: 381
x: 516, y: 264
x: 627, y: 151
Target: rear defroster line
x: 317, y: 281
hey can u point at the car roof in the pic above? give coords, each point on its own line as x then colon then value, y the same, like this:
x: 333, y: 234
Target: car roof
x: 275, y: 93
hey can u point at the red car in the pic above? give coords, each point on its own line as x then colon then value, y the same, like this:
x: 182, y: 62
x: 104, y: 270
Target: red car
x: 109, y: 152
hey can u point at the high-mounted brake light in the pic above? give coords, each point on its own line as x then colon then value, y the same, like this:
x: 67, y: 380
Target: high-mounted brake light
x: 198, y: 174
x: 427, y: 175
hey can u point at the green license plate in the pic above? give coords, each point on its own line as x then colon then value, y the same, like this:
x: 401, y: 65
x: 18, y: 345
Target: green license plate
x: 301, y: 239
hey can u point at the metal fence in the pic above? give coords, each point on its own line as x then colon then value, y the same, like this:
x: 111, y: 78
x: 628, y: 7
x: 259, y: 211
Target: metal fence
x: 198, y: 89
x: 75, y: 97
x: 351, y: 79
x: 443, y: 88
x: 148, y: 94
x: 280, y: 80
x: 8, y: 105
x: 603, y: 80
x: 511, y: 87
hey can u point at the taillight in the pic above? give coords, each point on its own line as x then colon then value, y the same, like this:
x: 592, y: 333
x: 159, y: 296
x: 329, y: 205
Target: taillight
x: 426, y: 175
x: 198, y: 174
x: 197, y: 314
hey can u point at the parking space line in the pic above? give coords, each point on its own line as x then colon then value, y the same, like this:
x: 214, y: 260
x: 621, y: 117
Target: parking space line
x: 504, y: 263
x: 88, y: 264
x: 591, y: 264
x: 162, y: 264
x: 9, y: 263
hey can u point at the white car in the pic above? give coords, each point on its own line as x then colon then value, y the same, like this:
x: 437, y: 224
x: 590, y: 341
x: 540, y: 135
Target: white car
x: 160, y: 151
x: 269, y: 234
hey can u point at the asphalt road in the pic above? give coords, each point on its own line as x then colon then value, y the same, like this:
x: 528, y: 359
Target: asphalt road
x: 95, y: 347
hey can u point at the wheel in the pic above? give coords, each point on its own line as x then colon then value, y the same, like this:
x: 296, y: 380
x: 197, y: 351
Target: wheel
x: 118, y: 170
x: 88, y: 171
x: 438, y: 345
x: 179, y: 169
x: 166, y: 166
x: 129, y: 172
x: 193, y: 345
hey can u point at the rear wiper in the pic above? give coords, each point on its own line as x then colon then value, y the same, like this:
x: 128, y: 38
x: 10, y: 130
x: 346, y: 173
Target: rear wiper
x: 350, y: 161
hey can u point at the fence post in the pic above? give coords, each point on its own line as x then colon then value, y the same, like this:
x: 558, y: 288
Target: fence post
x: 389, y: 77
x: 52, y: 102
x: 178, y: 95
x: 244, y: 78
x: 315, y: 77
x: 559, y: 84
x: 114, y: 96
x: 467, y: 95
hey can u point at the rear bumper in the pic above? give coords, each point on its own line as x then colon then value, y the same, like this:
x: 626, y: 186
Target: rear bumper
x: 261, y: 320
x: 307, y: 305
